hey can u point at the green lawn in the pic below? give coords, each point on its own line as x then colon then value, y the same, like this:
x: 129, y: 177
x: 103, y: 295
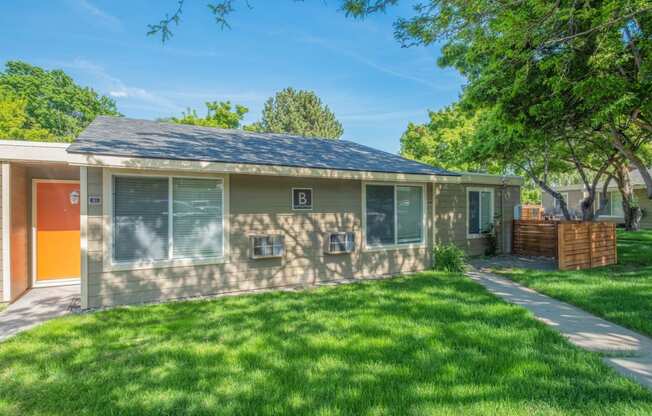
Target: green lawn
x: 620, y: 293
x: 427, y: 344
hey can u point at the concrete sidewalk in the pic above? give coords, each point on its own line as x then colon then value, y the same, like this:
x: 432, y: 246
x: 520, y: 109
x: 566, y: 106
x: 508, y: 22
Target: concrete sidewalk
x: 626, y: 351
x: 37, y: 306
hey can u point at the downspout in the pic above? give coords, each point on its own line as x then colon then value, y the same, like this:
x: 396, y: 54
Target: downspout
x: 502, y: 216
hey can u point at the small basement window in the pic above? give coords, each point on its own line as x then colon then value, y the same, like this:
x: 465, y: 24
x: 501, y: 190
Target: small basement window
x: 267, y: 246
x: 340, y: 243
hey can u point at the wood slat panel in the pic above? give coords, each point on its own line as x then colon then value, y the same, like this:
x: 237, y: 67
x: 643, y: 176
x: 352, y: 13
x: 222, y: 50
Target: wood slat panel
x: 576, y: 245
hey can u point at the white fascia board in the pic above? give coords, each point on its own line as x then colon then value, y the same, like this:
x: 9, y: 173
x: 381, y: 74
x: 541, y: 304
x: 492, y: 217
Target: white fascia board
x: 24, y: 151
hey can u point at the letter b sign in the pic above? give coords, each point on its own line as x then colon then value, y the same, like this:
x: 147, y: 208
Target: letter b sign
x: 301, y: 198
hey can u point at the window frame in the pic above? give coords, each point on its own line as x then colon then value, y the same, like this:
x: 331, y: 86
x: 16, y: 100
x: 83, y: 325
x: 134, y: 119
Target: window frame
x: 555, y: 201
x: 396, y: 245
x: 252, y: 244
x: 109, y: 264
x: 611, y: 204
x: 492, y: 205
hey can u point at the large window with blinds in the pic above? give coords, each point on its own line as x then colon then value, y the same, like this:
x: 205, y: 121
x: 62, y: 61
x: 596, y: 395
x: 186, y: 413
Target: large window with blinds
x: 167, y: 218
x: 480, y: 204
x: 394, y: 215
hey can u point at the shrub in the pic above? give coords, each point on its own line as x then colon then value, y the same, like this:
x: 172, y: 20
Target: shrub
x: 491, y: 240
x: 449, y: 258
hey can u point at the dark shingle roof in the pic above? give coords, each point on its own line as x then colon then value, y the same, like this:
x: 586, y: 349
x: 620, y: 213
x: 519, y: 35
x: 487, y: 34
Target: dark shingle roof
x: 118, y: 136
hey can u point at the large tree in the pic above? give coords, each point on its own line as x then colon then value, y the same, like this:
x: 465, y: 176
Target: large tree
x: 52, y: 101
x: 298, y: 112
x: 561, y: 71
x: 218, y: 114
x: 444, y: 141
x: 14, y: 119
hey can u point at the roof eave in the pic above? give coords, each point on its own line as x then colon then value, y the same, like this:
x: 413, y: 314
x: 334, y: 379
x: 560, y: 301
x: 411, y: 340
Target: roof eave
x: 275, y: 170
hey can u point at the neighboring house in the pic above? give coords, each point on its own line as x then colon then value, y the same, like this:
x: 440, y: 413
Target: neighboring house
x: 574, y: 194
x: 139, y: 211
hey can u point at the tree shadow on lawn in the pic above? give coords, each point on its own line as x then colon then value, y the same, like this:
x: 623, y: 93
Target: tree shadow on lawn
x: 432, y: 343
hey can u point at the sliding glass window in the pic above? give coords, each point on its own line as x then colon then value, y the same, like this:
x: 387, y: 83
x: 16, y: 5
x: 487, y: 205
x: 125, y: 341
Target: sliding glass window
x: 394, y: 215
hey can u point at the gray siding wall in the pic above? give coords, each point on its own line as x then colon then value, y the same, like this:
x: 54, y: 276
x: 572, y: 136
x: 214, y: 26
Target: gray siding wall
x: 258, y: 204
x: 574, y: 200
x: 646, y: 206
x: 451, y: 216
x: 1, y: 259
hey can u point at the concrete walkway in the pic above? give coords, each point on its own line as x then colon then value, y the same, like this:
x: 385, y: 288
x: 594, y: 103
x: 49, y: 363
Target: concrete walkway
x: 626, y: 351
x: 37, y: 306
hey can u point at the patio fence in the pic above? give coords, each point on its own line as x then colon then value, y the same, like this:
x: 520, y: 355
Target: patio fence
x: 575, y: 244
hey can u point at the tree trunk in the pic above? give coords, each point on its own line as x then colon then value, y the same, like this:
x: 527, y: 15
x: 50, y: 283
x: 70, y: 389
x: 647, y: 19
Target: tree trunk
x: 631, y: 209
x: 604, y: 196
x: 634, y: 160
x: 588, y: 213
x: 545, y: 187
x: 562, y: 202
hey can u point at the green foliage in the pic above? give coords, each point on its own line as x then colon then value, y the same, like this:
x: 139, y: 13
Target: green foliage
x: 14, y: 119
x: 444, y: 142
x: 530, y: 195
x: 218, y: 114
x: 491, y: 241
x: 546, y: 73
x: 449, y: 258
x: 49, y: 105
x: 298, y: 112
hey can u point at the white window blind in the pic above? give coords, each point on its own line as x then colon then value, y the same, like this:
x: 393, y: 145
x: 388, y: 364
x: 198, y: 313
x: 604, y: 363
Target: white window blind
x: 197, y: 218
x: 140, y: 218
x: 166, y: 218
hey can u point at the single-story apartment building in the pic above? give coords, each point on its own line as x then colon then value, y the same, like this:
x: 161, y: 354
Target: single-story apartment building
x: 137, y: 211
x: 575, y: 193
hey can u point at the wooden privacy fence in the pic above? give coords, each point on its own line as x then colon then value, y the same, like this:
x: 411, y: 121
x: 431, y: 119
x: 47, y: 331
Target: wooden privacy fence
x: 575, y: 245
x: 585, y: 245
x: 535, y: 238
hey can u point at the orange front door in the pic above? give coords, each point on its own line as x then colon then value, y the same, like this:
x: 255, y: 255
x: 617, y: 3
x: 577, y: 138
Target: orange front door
x: 57, y: 231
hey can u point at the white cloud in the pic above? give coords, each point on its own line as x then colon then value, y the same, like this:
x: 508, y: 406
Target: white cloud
x: 368, y: 62
x: 101, y: 15
x: 103, y: 81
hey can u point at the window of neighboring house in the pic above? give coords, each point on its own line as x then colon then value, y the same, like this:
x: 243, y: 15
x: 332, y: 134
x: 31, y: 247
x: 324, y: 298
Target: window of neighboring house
x: 394, y: 215
x: 167, y: 218
x: 558, y: 204
x: 607, y: 209
x: 616, y: 199
x: 480, y: 203
x: 614, y: 206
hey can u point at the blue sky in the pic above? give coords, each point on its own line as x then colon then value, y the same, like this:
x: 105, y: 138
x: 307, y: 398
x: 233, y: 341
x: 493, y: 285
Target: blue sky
x: 373, y: 86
